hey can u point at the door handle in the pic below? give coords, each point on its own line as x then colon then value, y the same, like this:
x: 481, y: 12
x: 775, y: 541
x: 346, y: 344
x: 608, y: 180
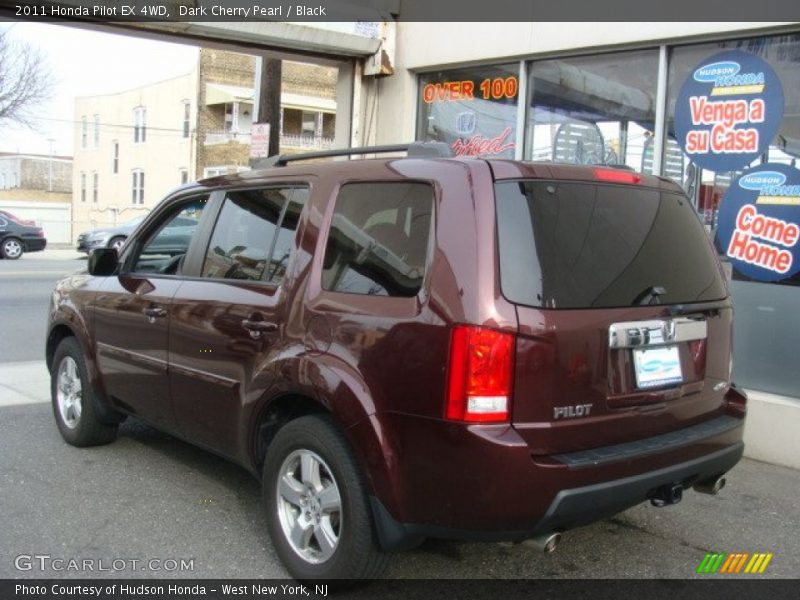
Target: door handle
x: 258, y: 328
x: 155, y: 312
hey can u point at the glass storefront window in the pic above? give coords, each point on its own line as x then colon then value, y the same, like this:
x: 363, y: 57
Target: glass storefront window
x: 473, y: 110
x: 597, y: 109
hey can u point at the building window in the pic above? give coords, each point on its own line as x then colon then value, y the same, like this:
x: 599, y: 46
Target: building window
x: 184, y: 176
x: 137, y: 189
x: 139, y: 125
x: 472, y: 110
x: 97, y: 131
x: 84, y: 132
x: 83, y: 187
x: 186, y: 113
x: 309, y: 124
x: 596, y: 110
x: 115, y: 157
x: 95, y: 182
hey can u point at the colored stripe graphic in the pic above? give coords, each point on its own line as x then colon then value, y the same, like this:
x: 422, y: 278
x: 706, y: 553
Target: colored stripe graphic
x: 734, y: 563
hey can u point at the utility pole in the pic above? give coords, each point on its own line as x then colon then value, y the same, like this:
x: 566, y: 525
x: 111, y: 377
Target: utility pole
x: 269, y: 101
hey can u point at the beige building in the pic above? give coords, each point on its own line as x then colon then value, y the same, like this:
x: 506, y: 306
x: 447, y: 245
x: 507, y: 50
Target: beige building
x: 130, y: 149
x: 133, y: 147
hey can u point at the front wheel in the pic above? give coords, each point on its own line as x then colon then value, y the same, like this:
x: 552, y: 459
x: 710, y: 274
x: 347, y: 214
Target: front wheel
x: 117, y: 242
x: 11, y: 248
x: 318, y: 512
x: 73, y: 399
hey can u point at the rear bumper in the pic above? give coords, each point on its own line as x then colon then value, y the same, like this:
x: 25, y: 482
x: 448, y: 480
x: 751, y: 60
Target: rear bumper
x: 570, y: 508
x: 34, y: 244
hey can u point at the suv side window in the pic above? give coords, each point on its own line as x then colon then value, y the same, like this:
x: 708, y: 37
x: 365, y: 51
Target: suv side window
x: 163, y: 250
x: 378, y: 240
x: 253, y: 236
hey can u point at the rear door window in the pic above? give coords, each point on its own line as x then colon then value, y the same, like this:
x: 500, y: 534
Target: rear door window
x: 584, y: 245
x: 254, y: 234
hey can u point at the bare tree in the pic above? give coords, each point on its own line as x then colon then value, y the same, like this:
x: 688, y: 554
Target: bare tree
x: 25, y: 81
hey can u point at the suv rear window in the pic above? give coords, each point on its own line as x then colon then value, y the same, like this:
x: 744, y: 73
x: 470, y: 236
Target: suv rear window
x: 584, y: 245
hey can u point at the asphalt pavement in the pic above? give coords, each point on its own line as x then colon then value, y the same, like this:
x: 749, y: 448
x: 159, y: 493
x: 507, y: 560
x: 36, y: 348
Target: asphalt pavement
x: 149, y: 497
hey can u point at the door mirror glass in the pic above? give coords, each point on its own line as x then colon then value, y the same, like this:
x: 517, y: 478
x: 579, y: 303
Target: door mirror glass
x: 103, y: 261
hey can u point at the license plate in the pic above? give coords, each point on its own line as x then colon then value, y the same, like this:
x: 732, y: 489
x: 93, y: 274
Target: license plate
x: 657, y: 367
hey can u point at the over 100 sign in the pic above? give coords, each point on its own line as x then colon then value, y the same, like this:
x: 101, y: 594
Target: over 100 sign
x: 759, y: 223
x: 728, y: 111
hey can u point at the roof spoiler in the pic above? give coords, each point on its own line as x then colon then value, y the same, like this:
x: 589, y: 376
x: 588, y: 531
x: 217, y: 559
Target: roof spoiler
x: 412, y: 150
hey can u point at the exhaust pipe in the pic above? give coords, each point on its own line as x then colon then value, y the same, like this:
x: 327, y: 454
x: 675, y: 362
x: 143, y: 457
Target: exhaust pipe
x: 710, y: 486
x: 667, y: 494
x: 544, y: 543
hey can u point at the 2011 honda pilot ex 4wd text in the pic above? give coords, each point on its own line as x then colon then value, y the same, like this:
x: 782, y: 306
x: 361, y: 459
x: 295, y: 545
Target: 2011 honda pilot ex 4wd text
x: 415, y: 347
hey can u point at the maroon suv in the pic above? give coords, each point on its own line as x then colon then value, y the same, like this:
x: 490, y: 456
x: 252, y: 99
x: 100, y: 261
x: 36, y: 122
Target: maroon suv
x: 415, y: 347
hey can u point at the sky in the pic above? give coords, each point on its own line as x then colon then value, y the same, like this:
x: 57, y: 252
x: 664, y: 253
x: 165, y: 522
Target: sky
x: 87, y: 63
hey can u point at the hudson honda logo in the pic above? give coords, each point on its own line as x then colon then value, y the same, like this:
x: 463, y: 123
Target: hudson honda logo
x: 728, y: 110
x: 728, y: 80
x: 759, y: 219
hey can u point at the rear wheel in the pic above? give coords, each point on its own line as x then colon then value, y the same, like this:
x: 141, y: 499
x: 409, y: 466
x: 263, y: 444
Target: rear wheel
x: 11, y: 248
x: 318, y: 512
x: 73, y: 399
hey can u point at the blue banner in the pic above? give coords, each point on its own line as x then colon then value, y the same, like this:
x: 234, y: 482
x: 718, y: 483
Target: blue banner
x: 759, y: 223
x: 728, y: 111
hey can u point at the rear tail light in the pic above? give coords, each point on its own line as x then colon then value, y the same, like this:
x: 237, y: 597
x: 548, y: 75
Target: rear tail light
x: 479, y: 377
x: 616, y: 176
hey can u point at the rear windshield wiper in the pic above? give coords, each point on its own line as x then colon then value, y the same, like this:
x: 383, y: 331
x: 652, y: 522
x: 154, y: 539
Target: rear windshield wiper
x: 650, y: 295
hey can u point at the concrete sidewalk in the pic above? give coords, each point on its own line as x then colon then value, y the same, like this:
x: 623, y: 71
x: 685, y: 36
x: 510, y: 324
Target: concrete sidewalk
x: 24, y: 383
x: 59, y: 252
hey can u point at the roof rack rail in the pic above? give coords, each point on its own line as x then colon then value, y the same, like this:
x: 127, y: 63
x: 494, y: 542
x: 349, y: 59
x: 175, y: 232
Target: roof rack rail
x: 414, y: 149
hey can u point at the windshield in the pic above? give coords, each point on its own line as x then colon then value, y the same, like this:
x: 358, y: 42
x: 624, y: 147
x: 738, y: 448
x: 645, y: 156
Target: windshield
x: 581, y: 245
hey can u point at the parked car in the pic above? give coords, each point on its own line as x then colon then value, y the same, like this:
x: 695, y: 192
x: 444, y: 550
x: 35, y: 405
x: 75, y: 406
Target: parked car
x: 8, y: 215
x: 415, y: 347
x: 108, y: 237
x: 18, y: 236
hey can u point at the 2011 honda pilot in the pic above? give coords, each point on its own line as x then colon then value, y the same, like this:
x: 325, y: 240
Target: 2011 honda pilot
x: 404, y: 348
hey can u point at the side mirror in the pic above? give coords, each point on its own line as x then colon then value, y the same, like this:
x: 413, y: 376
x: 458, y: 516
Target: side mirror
x: 103, y: 261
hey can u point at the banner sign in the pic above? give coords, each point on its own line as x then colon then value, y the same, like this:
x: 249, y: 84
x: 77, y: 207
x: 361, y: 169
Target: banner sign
x: 759, y: 222
x: 728, y: 111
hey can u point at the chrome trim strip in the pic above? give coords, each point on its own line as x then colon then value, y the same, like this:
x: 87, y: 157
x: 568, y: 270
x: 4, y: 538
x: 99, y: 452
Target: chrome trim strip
x: 656, y: 332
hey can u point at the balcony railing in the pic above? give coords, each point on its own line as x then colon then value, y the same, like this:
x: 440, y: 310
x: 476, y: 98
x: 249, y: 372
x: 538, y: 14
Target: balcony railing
x: 287, y: 140
x: 223, y: 137
x: 293, y: 140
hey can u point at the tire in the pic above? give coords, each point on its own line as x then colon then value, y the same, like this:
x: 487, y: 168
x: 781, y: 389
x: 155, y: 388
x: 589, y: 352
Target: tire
x: 73, y: 399
x: 352, y: 551
x: 116, y: 242
x: 11, y: 248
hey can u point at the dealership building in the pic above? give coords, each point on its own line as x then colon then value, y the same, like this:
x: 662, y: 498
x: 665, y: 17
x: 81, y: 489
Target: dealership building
x: 631, y: 95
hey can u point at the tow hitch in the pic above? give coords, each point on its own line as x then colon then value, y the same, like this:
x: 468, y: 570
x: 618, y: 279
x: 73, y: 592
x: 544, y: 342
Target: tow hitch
x: 667, y: 494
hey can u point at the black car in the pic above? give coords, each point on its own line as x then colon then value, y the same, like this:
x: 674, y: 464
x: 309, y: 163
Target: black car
x: 17, y: 237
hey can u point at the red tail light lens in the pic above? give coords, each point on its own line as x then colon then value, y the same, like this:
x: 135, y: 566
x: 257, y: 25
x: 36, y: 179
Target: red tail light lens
x: 479, y: 379
x: 616, y: 176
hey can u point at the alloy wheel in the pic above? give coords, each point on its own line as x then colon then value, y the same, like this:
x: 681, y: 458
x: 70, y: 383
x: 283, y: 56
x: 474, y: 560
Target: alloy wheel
x: 12, y: 249
x: 69, y: 392
x: 309, y: 506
